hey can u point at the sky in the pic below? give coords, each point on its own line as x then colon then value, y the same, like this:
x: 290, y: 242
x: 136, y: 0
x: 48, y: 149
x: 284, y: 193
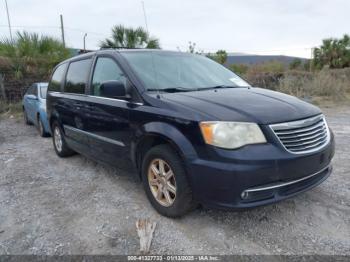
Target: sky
x: 288, y: 27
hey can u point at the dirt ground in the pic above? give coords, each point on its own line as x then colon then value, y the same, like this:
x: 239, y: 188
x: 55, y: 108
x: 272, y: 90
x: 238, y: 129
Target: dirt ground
x: 59, y: 206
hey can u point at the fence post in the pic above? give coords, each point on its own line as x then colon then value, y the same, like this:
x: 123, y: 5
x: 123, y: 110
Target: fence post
x: 2, y: 87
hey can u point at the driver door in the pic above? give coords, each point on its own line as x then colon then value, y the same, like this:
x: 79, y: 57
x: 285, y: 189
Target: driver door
x: 108, y: 126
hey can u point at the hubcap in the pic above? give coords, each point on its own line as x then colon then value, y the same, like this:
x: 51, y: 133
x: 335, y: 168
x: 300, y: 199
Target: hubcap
x: 58, y: 139
x: 161, y: 180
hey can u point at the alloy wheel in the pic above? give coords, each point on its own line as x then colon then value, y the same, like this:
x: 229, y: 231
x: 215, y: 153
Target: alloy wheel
x: 58, y: 139
x: 161, y: 180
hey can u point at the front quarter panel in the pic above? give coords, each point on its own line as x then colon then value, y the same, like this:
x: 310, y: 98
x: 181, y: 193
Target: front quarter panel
x: 169, y: 132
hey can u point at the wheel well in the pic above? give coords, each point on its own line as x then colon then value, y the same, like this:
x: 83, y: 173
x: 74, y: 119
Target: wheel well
x: 147, y: 143
x: 52, y: 119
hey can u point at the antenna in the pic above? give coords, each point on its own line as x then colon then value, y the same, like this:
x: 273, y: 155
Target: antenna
x: 144, y: 14
x: 84, y: 41
x: 8, y: 20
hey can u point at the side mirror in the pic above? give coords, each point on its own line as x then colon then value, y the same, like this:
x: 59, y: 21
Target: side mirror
x: 32, y: 97
x: 114, y: 89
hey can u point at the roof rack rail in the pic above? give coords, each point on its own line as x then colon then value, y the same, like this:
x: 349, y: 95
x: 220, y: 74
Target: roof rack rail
x: 120, y: 47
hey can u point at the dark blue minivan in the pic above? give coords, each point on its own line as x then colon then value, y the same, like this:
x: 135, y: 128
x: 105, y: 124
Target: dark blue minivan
x: 193, y: 131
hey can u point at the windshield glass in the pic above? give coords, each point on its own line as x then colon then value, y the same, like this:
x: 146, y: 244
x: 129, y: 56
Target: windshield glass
x: 43, y: 91
x: 180, y: 71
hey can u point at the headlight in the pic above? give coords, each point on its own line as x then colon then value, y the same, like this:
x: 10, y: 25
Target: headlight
x: 231, y: 135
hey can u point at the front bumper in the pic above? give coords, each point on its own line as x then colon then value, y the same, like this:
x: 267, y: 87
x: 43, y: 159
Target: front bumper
x: 257, y: 175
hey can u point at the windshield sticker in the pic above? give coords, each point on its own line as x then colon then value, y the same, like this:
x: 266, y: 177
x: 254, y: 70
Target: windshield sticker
x: 238, y: 81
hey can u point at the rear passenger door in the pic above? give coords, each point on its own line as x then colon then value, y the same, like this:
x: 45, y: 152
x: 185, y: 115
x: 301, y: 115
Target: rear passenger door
x: 109, y: 126
x: 73, y: 105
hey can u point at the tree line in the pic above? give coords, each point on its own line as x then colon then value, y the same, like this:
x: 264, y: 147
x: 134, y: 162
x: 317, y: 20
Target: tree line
x: 30, y: 52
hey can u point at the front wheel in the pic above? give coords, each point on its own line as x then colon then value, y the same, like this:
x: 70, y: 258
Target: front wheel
x: 59, y: 143
x: 165, y: 182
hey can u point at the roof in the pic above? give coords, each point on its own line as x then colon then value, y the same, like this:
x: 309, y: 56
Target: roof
x: 118, y: 50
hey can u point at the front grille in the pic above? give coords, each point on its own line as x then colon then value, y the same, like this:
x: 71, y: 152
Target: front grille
x: 303, y: 136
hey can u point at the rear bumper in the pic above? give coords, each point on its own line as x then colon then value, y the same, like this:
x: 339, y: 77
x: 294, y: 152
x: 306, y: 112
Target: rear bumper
x: 263, y: 175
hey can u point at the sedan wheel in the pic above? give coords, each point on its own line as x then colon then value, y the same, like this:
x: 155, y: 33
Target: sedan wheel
x: 162, y: 182
x: 41, y: 128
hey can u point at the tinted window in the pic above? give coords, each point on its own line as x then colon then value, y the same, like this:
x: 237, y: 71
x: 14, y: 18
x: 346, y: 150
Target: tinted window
x: 43, y: 91
x: 106, y: 69
x: 35, y: 90
x: 56, y: 80
x: 32, y: 90
x: 29, y: 90
x: 77, y: 76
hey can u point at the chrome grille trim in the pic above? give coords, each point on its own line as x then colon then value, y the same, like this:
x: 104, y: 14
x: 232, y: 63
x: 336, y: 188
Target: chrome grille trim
x: 282, y: 184
x: 303, y: 136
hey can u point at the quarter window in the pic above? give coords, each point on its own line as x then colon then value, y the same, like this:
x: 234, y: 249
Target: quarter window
x: 56, y: 80
x: 106, y: 69
x: 77, y: 76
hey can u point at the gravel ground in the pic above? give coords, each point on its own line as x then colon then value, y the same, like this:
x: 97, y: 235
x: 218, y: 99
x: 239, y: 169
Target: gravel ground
x: 59, y: 206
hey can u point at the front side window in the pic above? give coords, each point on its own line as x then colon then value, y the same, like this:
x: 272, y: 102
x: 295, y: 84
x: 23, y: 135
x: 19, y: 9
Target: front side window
x: 174, y: 70
x: 77, y: 76
x: 106, y: 69
x: 35, y: 90
x: 57, y: 77
x: 30, y: 91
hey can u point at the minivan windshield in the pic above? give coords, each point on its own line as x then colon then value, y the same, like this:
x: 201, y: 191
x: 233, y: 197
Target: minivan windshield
x: 179, y: 72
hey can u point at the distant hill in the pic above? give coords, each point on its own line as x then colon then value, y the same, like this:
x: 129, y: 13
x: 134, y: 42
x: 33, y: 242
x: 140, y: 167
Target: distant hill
x: 248, y: 59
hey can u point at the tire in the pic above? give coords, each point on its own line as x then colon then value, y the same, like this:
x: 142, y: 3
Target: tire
x: 182, y: 201
x: 60, y: 146
x: 25, y: 118
x: 41, y: 128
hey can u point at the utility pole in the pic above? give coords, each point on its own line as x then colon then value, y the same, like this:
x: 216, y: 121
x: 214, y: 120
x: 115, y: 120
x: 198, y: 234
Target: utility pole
x: 62, y: 31
x: 8, y: 20
x: 84, y: 41
x: 312, y: 59
x: 144, y: 14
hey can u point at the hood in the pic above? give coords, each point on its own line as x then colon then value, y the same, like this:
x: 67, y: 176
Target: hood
x: 245, y: 104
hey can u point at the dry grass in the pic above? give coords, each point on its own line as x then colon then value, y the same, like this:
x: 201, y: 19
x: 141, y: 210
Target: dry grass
x: 325, y: 86
x: 331, y: 85
x: 10, y: 109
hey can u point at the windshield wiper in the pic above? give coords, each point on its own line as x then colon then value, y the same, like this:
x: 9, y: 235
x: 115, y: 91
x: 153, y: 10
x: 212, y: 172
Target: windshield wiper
x: 173, y: 89
x: 217, y: 87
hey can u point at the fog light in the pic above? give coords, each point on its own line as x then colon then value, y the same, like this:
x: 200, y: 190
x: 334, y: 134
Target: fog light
x: 244, y: 195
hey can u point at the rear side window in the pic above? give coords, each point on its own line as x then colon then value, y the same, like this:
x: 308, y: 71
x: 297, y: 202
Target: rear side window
x: 77, y: 76
x: 57, y: 77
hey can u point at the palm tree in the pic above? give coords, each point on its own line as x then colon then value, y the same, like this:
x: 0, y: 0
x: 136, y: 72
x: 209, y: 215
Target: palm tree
x: 31, y: 53
x: 128, y: 37
x: 334, y: 53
